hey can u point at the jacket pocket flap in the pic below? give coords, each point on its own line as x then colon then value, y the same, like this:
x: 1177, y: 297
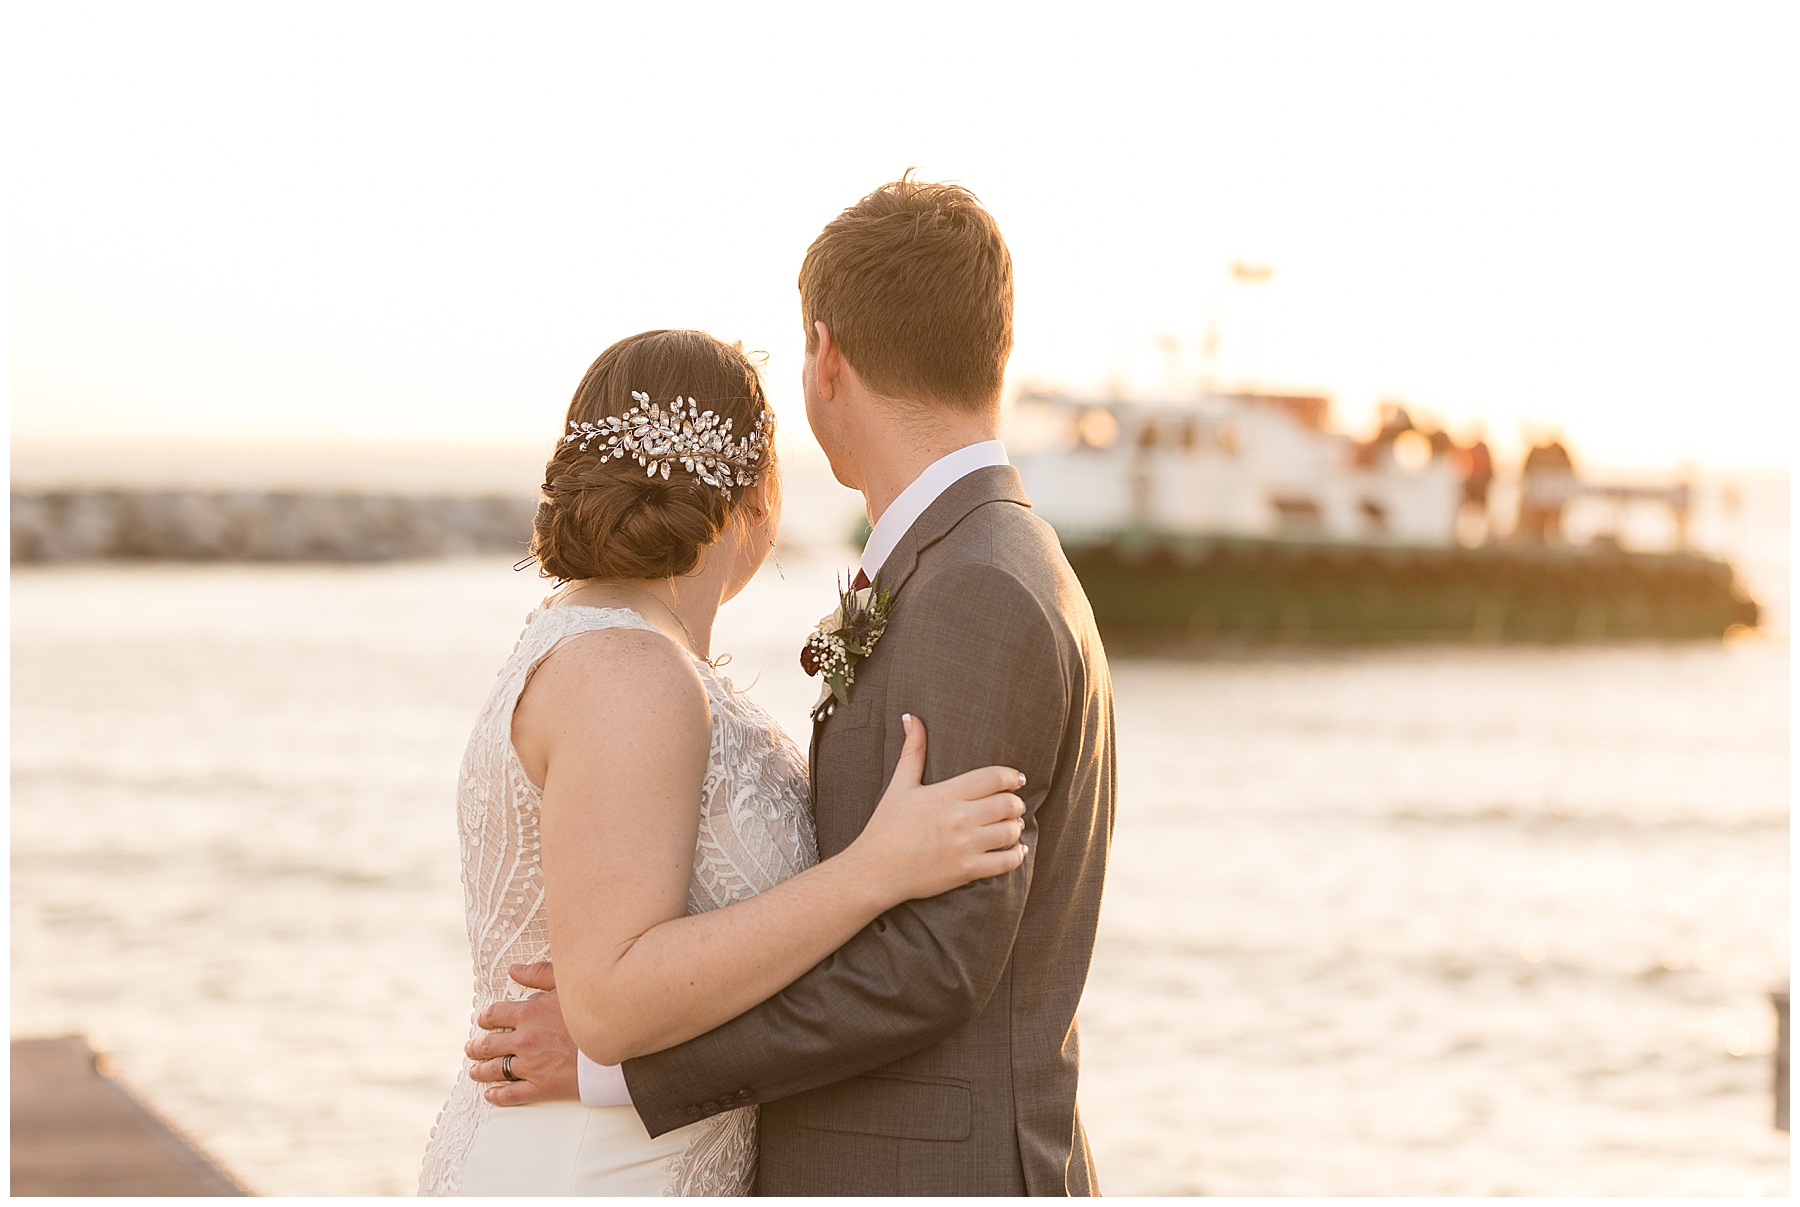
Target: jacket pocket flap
x: 903, y: 1108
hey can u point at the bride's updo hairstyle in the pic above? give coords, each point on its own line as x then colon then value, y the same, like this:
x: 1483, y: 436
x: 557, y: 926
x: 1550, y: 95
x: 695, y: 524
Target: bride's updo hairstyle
x: 608, y: 519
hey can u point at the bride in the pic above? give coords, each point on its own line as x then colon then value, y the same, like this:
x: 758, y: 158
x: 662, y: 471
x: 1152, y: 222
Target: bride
x: 621, y: 804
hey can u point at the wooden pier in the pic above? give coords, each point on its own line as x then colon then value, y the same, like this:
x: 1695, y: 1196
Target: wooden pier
x: 76, y: 1131
x: 1779, y: 998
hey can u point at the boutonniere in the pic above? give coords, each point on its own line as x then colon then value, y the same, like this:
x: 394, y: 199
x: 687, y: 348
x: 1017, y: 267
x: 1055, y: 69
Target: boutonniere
x: 843, y: 639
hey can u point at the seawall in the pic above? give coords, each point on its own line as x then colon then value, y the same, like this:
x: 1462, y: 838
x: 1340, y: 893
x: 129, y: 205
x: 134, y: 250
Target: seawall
x: 269, y: 526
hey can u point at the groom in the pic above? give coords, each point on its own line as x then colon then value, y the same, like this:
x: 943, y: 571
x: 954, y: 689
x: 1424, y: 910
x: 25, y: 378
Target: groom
x: 936, y: 1052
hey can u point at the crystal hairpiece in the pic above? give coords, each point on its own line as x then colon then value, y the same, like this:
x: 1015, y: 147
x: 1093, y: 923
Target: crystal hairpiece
x: 700, y: 440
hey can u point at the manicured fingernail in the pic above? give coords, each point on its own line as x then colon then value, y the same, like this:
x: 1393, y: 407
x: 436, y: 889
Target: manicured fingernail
x: 1021, y: 779
x: 906, y: 721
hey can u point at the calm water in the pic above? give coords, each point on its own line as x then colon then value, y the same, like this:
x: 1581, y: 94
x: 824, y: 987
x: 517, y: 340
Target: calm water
x: 1435, y: 920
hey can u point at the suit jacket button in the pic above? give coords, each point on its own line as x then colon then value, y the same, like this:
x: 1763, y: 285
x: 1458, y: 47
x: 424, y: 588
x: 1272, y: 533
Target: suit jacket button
x: 745, y: 1095
x: 693, y: 1112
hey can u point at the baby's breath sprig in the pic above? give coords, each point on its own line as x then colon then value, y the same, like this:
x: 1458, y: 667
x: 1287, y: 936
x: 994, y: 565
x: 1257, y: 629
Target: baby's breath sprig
x: 843, y: 639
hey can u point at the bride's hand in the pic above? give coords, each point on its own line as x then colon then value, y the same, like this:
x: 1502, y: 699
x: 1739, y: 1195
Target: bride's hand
x: 926, y: 839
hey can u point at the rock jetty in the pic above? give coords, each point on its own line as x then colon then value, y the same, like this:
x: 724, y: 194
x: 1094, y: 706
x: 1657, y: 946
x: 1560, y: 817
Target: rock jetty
x: 268, y: 526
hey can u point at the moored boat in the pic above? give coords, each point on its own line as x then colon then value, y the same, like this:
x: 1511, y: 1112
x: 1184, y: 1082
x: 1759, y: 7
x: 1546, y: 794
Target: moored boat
x: 1246, y: 514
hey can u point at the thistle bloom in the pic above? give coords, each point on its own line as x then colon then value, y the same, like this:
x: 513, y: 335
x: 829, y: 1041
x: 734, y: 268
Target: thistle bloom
x: 844, y: 638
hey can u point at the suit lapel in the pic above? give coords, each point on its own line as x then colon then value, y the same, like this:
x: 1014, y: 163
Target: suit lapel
x: 990, y: 484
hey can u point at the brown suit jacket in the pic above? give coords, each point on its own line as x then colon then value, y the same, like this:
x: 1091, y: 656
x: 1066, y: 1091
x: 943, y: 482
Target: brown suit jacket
x: 936, y: 1052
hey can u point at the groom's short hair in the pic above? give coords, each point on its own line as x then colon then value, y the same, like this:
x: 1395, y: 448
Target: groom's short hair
x: 915, y: 284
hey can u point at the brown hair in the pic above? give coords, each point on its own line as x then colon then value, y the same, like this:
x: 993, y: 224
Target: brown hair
x: 915, y: 284
x: 608, y: 519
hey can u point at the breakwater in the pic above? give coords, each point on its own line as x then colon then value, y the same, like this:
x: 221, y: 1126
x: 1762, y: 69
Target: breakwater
x: 261, y: 526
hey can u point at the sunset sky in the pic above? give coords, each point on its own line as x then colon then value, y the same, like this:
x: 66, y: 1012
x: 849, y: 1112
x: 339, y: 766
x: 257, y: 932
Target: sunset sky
x: 378, y: 222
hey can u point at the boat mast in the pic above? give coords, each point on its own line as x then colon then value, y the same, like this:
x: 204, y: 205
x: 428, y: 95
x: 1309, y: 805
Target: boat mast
x: 1242, y: 338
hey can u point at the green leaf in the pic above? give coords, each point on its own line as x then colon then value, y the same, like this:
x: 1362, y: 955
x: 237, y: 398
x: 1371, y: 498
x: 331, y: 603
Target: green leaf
x: 839, y: 689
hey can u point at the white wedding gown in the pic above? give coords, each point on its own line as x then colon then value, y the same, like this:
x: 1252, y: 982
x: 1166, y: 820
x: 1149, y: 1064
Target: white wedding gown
x: 755, y: 831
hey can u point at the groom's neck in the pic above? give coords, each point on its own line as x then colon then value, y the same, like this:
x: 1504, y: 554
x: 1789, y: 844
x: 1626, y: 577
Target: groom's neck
x: 903, y: 439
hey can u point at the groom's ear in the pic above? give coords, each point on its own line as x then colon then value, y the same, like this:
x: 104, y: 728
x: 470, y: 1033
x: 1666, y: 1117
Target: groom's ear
x: 828, y: 363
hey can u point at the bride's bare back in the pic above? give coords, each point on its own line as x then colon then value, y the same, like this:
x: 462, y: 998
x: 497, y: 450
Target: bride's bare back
x: 752, y: 830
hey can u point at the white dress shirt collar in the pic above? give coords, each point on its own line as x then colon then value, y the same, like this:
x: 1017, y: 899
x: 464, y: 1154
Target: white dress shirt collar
x: 924, y: 490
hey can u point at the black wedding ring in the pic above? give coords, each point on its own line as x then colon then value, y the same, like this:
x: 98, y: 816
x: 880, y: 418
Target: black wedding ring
x: 506, y: 1068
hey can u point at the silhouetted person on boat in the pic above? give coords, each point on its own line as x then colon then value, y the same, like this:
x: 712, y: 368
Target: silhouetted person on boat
x: 1394, y: 420
x: 1478, y: 477
x: 1548, y: 485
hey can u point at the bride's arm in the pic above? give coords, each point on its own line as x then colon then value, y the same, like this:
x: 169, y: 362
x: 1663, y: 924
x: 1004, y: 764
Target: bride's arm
x: 616, y: 728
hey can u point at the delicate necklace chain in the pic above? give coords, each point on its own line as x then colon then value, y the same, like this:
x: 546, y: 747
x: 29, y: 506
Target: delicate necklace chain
x: 692, y: 645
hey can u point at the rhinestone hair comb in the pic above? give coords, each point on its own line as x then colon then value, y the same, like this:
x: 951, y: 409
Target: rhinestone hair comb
x: 699, y: 441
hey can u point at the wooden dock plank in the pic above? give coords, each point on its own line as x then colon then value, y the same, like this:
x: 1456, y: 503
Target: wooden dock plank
x: 76, y: 1131
x: 1780, y: 999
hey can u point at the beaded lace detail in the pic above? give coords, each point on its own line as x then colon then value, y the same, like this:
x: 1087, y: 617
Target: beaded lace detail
x: 755, y: 831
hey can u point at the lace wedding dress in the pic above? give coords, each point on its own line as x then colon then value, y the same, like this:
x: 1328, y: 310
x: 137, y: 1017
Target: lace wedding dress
x: 755, y: 831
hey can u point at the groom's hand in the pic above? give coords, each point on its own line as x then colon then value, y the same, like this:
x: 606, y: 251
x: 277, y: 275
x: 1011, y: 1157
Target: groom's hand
x: 531, y: 1031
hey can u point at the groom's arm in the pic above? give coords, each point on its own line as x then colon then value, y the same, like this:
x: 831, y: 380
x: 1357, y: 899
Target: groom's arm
x: 977, y: 660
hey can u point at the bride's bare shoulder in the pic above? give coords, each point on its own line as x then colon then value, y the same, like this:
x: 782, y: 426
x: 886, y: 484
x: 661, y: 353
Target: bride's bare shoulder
x: 619, y: 677
x: 626, y: 661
